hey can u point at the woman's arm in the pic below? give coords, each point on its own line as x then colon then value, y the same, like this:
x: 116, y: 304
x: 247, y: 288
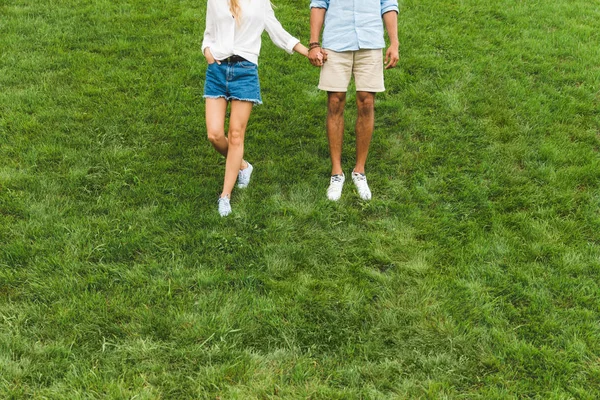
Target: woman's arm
x: 209, y: 34
x: 280, y: 37
x: 301, y: 49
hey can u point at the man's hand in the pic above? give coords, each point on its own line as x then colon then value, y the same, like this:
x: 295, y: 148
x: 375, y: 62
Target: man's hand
x: 391, y: 56
x: 317, y: 56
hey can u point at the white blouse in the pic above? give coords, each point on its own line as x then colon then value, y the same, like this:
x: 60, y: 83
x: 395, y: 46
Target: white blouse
x: 225, y: 37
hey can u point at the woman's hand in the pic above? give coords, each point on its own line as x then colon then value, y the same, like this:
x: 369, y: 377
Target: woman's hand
x: 209, y: 57
x: 317, y: 56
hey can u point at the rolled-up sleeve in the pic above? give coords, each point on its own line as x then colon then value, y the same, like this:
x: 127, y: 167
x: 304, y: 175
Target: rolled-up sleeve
x: 280, y: 37
x: 319, y: 4
x: 389, y: 5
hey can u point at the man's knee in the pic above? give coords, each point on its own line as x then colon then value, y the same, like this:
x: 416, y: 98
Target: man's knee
x: 365, y: 102
x: 336, y: 103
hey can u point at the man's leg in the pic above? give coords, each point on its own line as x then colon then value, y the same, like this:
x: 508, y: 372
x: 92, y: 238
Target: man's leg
x: 335, y: 134
x: 335, y: 77
x: 368, y: 75
x: 336, y: 102
x: 365, y: 123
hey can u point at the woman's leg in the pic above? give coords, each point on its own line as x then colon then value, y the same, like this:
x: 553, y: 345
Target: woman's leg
x: 215, y: 126
x: 238, y: 120
x: 215, y: 123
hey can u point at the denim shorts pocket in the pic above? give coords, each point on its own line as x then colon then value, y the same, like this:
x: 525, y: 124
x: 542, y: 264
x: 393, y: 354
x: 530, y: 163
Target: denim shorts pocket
x: 247, y: 65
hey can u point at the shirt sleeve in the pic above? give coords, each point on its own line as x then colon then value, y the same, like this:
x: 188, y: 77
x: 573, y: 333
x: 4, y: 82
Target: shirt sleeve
x: 389, y: 5
x: 319, y: 4
x: 209, y: 31
x: 280, y: 37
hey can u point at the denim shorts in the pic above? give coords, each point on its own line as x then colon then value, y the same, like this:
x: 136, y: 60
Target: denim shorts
x: 233, y: 80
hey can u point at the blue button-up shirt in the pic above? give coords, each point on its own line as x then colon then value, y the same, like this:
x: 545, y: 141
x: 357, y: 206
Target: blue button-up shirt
x: 354, y: 24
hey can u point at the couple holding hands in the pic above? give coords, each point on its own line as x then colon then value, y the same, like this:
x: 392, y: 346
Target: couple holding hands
x: 353, y: 39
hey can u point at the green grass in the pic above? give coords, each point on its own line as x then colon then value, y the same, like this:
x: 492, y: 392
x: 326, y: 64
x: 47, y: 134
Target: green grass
x: 473, y: 273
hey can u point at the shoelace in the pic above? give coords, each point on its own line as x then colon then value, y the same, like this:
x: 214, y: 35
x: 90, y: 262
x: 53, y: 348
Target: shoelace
x: 336, y: 178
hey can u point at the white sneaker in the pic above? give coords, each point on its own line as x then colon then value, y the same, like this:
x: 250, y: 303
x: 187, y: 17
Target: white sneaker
x: 336, y: 183
x: 360, y: 180
x: 244, y: 176
x: 224, y: 206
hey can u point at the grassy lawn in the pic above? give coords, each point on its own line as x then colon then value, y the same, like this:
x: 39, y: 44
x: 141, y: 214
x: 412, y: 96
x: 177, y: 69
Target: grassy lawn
x: 473, y: 272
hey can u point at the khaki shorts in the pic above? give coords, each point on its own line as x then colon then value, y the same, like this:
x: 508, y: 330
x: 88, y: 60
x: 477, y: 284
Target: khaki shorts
x: 366, y: 65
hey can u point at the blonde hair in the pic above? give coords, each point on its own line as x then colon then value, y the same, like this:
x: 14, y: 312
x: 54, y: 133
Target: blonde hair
x: 234, y: 7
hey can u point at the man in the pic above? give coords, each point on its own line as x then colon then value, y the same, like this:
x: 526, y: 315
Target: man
x: 352, y: 45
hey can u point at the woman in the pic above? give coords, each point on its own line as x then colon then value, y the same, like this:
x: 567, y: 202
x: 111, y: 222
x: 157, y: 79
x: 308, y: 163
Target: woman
x: 231, y: 46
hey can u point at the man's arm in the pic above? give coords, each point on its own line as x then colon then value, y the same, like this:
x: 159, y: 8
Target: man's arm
x: 317, y: 18
x: 390, y: 20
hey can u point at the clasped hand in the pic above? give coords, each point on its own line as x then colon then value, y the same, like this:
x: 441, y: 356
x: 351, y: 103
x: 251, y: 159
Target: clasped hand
x: 317, y: 56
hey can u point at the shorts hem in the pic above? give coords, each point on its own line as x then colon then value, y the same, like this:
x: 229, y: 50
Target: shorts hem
x: 229, y: 98
x: 330, y: 89
x: 371, y: 90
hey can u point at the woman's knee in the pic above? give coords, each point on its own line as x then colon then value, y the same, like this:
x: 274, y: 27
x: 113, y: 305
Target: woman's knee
x: 236, y: 137
x: 215, y: 135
